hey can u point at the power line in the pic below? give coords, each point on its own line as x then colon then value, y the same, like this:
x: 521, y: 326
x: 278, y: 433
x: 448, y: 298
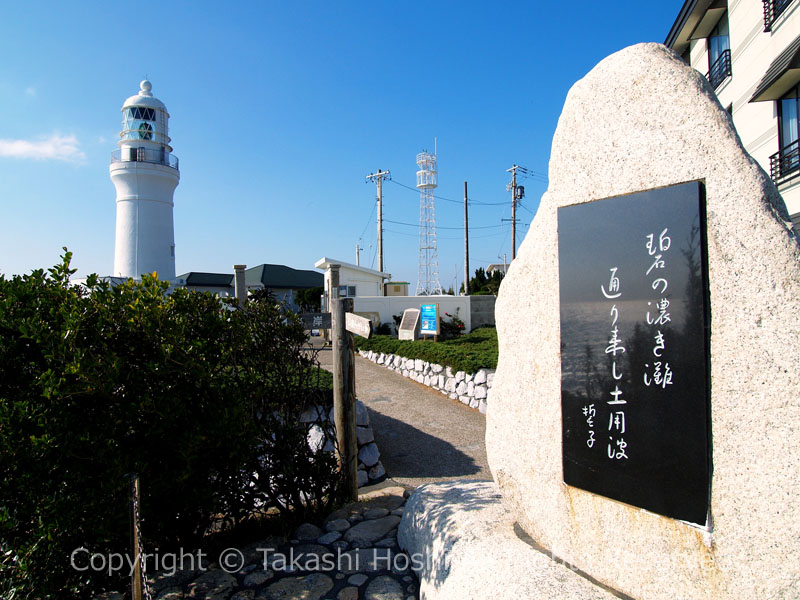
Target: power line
x: 471, y: 200
x: 438, y: 227
x: 472, y: 237
x: 369, y: 221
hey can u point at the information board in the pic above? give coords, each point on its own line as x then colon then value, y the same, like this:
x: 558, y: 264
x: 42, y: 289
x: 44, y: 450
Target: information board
x: 634, y: 349
x: 429, y: 319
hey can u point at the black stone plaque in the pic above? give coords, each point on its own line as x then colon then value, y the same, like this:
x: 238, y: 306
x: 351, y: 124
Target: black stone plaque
x: 634, y: 349
x: 316, y: 320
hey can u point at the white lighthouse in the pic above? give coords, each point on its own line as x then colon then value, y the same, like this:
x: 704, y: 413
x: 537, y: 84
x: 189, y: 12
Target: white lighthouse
x: 145, y: 174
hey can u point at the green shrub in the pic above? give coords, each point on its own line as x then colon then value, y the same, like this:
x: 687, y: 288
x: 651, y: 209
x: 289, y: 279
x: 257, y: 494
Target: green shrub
x: 451, y: 326
x: 199, y: 398
x: 468, y: 353
x: 383, y: 329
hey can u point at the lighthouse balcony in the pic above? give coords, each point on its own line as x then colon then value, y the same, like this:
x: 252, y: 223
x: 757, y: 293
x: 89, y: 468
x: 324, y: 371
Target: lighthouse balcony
x: 157, y: 156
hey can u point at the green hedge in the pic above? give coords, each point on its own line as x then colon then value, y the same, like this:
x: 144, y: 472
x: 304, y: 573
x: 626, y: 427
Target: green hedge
x: 200, y: 398
x: 469, y: 352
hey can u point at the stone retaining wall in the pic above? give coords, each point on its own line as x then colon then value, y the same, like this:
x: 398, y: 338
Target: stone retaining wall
x: 472, y: 390
x: 370, y: 468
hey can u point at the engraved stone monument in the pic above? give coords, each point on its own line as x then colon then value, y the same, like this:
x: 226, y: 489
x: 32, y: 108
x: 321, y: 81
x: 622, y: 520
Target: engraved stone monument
x: 642, y: 434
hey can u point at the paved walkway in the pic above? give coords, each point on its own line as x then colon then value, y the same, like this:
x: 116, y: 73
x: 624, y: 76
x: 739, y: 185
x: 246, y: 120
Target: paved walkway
x: 353, y: 554
x: 422, y: 435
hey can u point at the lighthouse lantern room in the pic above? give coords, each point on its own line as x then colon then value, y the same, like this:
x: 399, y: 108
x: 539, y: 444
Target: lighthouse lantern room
x: 145, y: 174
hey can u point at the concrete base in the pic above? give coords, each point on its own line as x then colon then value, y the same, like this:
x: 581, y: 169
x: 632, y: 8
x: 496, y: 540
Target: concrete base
x: 463, y: 544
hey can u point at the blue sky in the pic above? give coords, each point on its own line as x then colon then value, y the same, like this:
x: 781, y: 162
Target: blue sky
x: 279, y: 110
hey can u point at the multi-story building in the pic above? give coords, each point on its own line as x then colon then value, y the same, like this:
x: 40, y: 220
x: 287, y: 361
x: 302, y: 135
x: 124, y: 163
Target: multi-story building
x: 750, y: 53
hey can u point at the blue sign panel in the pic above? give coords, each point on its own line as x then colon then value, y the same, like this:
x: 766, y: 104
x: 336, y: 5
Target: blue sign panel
x: 429, y: 319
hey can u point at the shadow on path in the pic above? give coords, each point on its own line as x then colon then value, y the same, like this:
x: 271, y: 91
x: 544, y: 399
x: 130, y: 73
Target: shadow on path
x: 423, y: 436
x: 407, y: 452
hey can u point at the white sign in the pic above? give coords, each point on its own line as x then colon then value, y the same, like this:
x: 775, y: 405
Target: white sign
x: 357, y: 325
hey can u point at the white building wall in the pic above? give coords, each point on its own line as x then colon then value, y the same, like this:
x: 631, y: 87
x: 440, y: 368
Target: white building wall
x: 752, y: 53
x: 366, y: 284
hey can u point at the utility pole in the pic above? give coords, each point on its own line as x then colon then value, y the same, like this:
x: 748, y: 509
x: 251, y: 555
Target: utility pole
x: 358, y: 259
x: 466, y: 243
x: 378, y: 179
x: 517, y: 193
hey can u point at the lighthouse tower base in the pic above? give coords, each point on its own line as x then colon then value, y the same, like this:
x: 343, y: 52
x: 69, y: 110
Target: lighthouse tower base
x: 144, y: 233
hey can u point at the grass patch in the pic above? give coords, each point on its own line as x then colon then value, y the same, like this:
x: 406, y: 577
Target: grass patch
x: 469, y: 352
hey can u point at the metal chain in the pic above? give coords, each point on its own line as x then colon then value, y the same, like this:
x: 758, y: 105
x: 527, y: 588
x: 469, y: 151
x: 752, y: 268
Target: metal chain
x: 142, y: 561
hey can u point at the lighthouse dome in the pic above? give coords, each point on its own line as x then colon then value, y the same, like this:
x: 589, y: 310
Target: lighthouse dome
x: 144, y: 98
x: 145, y: 119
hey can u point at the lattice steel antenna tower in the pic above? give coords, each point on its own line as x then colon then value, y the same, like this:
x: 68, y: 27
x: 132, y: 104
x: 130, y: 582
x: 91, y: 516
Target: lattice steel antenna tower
x: 427, y: 180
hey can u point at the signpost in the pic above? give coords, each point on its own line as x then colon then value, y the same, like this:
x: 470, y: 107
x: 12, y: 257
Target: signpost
x: 316, y: 320
x: 344, y: 395
x: 635, y: 360
x: 358, y: 325
x: 429, y: 320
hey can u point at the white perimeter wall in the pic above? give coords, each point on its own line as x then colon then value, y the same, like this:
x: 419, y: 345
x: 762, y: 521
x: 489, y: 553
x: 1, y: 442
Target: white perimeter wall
x: 387, y: 306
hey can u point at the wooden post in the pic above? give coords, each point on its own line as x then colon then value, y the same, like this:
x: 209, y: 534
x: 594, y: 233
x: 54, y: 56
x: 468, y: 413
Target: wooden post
x: 333, y: 292
x: 344, y: 396
x: 136, y: 576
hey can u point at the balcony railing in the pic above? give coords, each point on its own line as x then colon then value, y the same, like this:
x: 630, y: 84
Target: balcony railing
x: 146, y: 155
x: 720, y: 69
x: 773, y: 10
x: 785, y: 165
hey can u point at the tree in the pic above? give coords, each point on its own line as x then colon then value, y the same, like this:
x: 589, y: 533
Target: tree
x: 194, y: 394
x: 309, y: 299
x: 483, y: 283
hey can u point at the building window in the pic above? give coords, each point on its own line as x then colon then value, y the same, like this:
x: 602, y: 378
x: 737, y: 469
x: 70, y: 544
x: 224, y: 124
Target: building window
x: 347, y: 291
x: 786, y: 162
x: 772, y: 10
x: 719, y: 53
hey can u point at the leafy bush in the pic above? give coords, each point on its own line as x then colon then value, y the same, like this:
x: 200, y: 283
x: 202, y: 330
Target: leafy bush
x: 468, y: 353
x: 451, y: 326
x: 199, y: 398
x: 383, y: 329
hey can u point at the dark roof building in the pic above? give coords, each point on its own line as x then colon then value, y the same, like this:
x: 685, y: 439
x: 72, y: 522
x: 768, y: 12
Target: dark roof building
x: 282, y: 277
x: 283, y: 281
x: 195, y: 279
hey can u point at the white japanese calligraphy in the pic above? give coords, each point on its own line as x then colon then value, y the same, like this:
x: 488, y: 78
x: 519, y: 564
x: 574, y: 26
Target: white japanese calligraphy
x: 613, y: 285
